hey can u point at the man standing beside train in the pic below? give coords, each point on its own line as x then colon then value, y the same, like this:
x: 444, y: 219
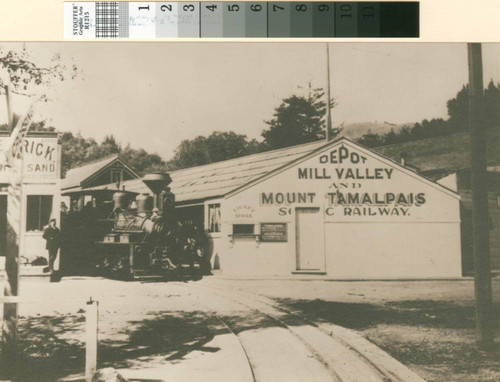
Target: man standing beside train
x: 52, y: 235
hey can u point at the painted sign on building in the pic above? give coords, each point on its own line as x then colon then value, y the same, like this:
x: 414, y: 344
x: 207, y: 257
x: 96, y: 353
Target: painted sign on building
x: 243, y: 211
x: 40, y: 159
x: 351, y: 184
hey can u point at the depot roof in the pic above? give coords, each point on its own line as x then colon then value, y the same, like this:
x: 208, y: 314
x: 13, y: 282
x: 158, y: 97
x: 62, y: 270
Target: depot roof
x: 218, y: 179
x: 433, y: 156
x: 201, y: 182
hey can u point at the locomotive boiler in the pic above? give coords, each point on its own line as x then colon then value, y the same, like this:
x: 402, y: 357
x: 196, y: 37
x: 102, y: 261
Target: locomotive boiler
x: 147, y: 239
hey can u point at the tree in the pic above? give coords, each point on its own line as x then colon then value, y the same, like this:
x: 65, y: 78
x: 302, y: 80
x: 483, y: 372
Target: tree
x: 28, y: 78
x: 371, y: 139
x: 458, y: 111
x: 227, y: 145
x: 77, y: 151
x: 110, y: 146
x: 458, y: 108
x: 141, y: 161
x: 491, y: 106
x: 217, y: 147
x: 190, y: 153
x: 25, y: 77
x: 298, y: 120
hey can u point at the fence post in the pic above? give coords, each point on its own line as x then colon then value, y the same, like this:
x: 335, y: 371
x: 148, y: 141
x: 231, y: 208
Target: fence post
x: 91, y: 323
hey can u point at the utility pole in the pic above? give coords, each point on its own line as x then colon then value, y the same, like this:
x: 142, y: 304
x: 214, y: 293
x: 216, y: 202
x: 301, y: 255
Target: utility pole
x: 9, y: 356
x: 480, y: 218
x: 328, y: 111
x: 8, y: 348
x: 10, y: 116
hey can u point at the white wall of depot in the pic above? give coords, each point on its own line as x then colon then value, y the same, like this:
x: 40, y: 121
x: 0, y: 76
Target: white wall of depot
x: 380, y: 220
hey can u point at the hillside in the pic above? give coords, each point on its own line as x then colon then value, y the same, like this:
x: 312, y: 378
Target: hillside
x: 356, y: 130
x: 451, y: 152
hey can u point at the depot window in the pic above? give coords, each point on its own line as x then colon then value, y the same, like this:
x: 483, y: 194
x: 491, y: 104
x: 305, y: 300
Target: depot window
x: 214, y: 222
x: 116, y: 176
x: 39, y: 208
x: 243, y: 229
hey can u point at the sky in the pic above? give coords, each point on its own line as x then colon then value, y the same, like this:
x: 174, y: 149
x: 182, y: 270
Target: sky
x: 154, y: 95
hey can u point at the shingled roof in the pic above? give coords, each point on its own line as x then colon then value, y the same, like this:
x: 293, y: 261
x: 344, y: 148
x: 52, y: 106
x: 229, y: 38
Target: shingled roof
x: 78, y: 175
x: 217, y: 179
x: 202, y: 182
x: 438, y: 155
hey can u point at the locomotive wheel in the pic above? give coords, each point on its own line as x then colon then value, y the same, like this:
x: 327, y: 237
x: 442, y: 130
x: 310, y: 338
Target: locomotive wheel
x: 115, y: 266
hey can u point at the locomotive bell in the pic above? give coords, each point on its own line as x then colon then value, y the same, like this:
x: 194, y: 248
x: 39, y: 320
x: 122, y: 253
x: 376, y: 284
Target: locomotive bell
x: 157, y: 181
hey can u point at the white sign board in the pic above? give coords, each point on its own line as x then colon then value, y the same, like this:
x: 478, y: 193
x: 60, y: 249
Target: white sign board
x: 40, y: 159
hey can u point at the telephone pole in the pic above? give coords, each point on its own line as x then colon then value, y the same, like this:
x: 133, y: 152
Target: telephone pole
x: 328, y: 111
x: 9, y: 355
x: 10, y: 115
x: 480, y: 218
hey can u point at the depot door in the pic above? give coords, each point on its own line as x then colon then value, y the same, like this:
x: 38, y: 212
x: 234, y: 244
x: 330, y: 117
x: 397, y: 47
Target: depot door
x: 309, y: 239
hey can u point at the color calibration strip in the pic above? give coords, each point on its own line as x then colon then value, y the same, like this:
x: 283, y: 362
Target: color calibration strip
x: 240, y: 19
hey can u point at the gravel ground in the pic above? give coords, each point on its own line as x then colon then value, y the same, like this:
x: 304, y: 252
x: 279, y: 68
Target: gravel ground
x: 458, y: 291
x: 427, y: 325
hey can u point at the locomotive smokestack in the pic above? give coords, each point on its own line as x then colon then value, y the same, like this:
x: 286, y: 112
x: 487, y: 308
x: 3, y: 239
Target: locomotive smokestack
x: 158, y: 182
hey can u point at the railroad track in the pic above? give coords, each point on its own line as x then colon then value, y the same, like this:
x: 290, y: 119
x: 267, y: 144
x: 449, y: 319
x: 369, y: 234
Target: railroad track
x: 264, y: 369
x: 238, y: 338
x: 338, y: 355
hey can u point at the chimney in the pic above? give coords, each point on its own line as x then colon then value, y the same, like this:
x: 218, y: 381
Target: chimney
x: 402, y: 157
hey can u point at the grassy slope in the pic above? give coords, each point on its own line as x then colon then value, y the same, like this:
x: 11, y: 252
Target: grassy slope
x: 450, y: 151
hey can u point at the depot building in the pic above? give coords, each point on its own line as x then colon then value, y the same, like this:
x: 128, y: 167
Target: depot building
x: 343, y: 211
x: 331, y: 209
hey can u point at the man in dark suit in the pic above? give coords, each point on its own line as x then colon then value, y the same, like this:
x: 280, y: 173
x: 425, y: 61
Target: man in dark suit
x: 52, y: 235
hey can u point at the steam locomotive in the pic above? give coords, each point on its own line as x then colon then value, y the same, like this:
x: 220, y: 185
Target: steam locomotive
x: 147, y: 239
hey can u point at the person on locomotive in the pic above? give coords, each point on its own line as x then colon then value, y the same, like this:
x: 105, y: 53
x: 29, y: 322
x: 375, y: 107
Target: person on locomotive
x: 191, y: 244
x: 194, y: 247
x: 199, y: 242
x: 176, y: 242
x: 183, y: 243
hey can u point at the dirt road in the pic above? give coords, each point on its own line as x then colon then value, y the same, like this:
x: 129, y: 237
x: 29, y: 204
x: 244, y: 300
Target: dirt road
x: 281, y: 345
x: 196, y: 331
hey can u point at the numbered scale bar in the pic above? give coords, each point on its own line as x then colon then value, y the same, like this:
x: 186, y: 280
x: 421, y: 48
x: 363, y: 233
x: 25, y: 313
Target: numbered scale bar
x: 240, y: 19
